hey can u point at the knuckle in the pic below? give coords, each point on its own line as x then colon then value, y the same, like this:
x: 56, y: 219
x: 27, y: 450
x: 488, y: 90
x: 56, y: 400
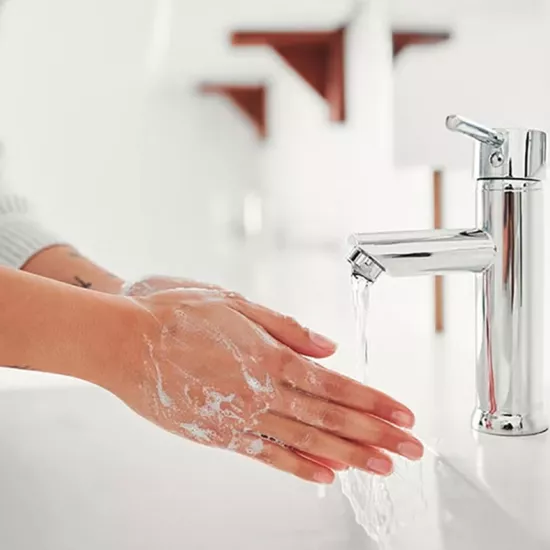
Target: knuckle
x: 303, y: 470
x: 375, y: 432
x: 292, y: 324
x: 355, y: 456
x: 306, y: 440
x: 369, y: 400
x: 334, y: 389
x: 333, y: 418
x: 231, y: 295
x: 286, y: 360
x: 267, y: 455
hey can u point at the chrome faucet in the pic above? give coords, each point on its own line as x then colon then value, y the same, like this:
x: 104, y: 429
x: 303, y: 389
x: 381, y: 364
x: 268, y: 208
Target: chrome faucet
x: 506, y: 252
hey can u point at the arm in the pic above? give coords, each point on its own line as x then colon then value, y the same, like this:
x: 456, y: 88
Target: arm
x: 50, y: 327
x: 65, y: 264
x: 26, y: 244
x: 172, y: 355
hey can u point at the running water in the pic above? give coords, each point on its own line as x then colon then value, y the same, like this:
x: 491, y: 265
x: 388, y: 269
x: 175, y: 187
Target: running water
x: 381, y: 505
x: 428, y: 504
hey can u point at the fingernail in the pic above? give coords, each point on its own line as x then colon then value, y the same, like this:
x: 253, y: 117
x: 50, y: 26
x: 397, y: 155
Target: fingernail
x: 321, y: 341
x: 382, y: 466
x: 403, y: 418
x: 411, y: 450
x: 323, y: 476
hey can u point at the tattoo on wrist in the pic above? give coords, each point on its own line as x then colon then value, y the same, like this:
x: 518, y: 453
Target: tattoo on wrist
x: 75, y: 254
x: 82, y: 283
x: 20, y: 367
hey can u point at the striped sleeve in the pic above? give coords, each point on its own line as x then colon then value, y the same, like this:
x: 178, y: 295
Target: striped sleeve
x: 21, y: 233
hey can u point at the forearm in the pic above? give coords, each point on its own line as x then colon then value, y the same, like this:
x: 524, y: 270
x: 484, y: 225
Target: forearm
x: 65, y: 264
x: 51, y: 327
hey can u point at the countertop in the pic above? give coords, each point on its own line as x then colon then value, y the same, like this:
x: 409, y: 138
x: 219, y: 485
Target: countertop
x: 80, y: 470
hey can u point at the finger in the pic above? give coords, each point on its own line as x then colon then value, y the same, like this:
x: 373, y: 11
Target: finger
x: 311, y: 378
x: 347, y: 423
x: 332, y: 464
x: 286, y: 330
x: 284, y: 459
x: 307, y: 439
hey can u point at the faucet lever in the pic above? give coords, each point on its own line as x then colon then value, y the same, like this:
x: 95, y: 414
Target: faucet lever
x: 483, y: 134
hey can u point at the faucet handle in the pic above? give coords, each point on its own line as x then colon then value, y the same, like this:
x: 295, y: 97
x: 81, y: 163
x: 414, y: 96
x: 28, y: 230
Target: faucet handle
x: 477, y: 131
x: 504, y: 153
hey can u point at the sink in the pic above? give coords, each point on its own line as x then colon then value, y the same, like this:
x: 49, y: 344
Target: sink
x: 435, y: 506
x: 78, y: 469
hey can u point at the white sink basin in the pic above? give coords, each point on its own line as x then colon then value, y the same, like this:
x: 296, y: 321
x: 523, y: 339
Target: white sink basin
x: 78, y: 470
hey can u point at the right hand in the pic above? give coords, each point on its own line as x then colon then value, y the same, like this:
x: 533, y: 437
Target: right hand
x: 227, y: 373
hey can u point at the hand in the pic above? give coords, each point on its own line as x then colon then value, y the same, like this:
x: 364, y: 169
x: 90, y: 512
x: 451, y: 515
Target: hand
x: 156, y: 283
x: 228, y: 373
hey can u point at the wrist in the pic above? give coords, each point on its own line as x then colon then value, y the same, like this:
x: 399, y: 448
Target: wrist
x: 52, y: 327
x: 55, y: 328
x: 121, y: 346
x: 65, y: 264
x: 108, y: 342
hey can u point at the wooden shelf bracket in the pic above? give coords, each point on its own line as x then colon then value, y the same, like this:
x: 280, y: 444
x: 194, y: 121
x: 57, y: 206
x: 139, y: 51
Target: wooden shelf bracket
x: 250, y: 99
x: 318, y: 57
x: 403, y: 39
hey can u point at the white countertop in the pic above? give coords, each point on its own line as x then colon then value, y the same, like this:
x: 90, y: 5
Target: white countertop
x: 80, y: 470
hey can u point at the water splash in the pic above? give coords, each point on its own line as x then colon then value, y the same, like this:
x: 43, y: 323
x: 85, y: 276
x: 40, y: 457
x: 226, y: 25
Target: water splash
x: 429, y: 504
x: 381, y: 505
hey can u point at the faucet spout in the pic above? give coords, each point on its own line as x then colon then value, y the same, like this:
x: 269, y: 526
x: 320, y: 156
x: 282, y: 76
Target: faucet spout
x: 408, y: 253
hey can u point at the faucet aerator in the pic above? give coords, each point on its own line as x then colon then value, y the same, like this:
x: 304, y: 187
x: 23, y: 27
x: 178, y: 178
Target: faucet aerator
x: 364, y: 266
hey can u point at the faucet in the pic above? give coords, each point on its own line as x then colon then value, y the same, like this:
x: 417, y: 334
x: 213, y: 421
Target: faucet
x: 506, y: 253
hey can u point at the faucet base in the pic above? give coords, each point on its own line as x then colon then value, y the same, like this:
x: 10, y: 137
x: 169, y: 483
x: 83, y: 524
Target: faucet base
x: 508, y: 424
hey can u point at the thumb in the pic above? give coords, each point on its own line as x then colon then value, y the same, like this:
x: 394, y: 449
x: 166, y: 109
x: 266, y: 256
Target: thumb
x: 287, y: 330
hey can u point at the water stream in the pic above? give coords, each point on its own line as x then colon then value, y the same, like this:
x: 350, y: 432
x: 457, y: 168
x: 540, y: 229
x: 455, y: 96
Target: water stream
x: 381, y: 505
x: 428, y: 503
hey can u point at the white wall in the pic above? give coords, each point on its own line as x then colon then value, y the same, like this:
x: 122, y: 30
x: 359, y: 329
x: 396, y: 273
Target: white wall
x: 319, y: 173
x: 310, y: 167
x: 125, y: 163
x: 493, y: 70
x: 105, y: 130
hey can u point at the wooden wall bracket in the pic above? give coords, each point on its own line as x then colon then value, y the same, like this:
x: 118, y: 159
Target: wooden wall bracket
x: 248, y: 98
x: 318, y: 57
x: 405, y: 38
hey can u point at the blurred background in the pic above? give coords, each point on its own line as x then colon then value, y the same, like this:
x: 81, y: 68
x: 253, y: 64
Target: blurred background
x: 241, y: 141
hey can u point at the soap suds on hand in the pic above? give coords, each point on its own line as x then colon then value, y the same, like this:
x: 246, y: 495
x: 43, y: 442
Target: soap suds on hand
x: 255, y: 448
x: 198, y: 433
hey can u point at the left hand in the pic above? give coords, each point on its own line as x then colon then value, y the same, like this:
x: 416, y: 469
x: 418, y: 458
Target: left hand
x: 157, y: 283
